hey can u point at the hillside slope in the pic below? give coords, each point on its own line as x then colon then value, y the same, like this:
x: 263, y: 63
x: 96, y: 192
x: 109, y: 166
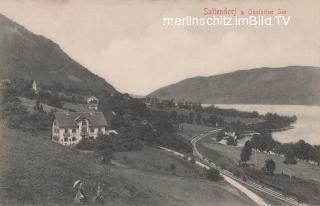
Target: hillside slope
x: 36, y: 171
x: 287, y: 85
x: 24, y: 54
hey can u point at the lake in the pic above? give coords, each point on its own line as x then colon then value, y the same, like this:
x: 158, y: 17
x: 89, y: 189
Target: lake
x: 307, y: 126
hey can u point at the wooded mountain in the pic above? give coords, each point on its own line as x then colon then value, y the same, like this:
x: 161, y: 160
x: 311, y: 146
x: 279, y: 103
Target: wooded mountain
x: 30, y: 56
x: 287, y: 85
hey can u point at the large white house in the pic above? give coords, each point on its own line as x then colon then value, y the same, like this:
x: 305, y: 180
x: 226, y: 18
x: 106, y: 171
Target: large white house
x: 70, y: 127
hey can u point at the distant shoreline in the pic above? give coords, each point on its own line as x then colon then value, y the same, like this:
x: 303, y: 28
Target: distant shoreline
x: 283, y: 129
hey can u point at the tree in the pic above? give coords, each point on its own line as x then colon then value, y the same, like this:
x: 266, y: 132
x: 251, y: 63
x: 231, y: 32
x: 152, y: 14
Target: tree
x: 246, y: 152
x: 54, y: 100
x: 270, y: 166
x: 213, y: 174
x: 263, y: 142
x: 289, y: 157
x: 174, y: 117
x: 213, y: 119
x: 191, y: 117
x: 237, y: 127
x: 163, y: 126
x: 232, y: 141
x: 38, y: 107
x: 198, y: 118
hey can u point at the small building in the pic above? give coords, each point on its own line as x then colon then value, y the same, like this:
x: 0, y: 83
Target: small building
x: 230, y: 134
x: 71, y: 127
x: 93, y: 103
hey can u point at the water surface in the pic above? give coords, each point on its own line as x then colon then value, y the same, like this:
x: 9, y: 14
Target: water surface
x: 307, y: 126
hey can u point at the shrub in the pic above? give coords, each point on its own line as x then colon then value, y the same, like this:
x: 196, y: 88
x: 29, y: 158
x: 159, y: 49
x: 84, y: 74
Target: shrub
x: 232, y: 141
x: 301, y: 198
x: 238, y: 173
x: 172, y: 166
x: 246, y: 152
x: 86, y: 144
x: 213, y: 174
x: 289, y: 158
x: 270, y: 166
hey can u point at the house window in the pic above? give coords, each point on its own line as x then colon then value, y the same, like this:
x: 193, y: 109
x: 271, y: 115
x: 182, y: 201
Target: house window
x: 91, y: 130
x: 84, y: 122
x: 65, y: 130
x: 83, y: 129
x: 66, y: 139
x: 74, y: 139
x: 73, y: 130
x: 99, y: 129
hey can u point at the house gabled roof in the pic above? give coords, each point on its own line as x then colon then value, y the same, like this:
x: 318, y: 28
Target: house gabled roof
x: 71, y: 119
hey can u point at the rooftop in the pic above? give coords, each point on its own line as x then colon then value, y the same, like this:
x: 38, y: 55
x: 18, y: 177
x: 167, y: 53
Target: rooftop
x: 70, y: 119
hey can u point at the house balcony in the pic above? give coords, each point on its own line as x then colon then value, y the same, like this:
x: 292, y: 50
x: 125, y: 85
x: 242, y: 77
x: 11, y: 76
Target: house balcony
x: 82, y: 133
x: 66, y: 134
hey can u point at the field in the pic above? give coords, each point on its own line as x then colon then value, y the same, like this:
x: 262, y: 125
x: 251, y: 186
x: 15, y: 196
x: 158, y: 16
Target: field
x: 29, y: 104
x: 303, y: 183
x: 191, y: 130
x: 33, y: 170
x: 301, y: 169
x: 156, y: 160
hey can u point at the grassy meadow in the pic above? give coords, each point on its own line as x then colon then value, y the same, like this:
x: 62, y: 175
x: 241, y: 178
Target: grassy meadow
x: 303, y: 184
x: 36, y: 171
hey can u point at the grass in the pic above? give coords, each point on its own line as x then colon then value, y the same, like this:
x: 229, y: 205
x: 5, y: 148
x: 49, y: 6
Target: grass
x: 35, y: 171
x: 191, y: 130
x: 29, y: 104
x: 306, y: 191
x: 301, y: 169
x: 156, y: 160
x: 218, y: 158
x: 304, y: 182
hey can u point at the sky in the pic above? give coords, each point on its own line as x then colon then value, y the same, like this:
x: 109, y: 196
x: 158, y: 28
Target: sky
x: 126, y: 43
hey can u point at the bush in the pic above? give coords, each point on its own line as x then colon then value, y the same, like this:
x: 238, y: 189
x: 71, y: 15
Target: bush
x: 289, y: 158
x: 213, y: 174
x: 172, y: 166
x: 174, y: 141
x: 238, y: 173
x: 87, y: 144
x: 301, y: 198
x: 270, y: 166
x: 232, y: 141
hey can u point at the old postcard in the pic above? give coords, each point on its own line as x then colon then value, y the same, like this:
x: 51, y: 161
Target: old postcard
x: 156, y: 103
